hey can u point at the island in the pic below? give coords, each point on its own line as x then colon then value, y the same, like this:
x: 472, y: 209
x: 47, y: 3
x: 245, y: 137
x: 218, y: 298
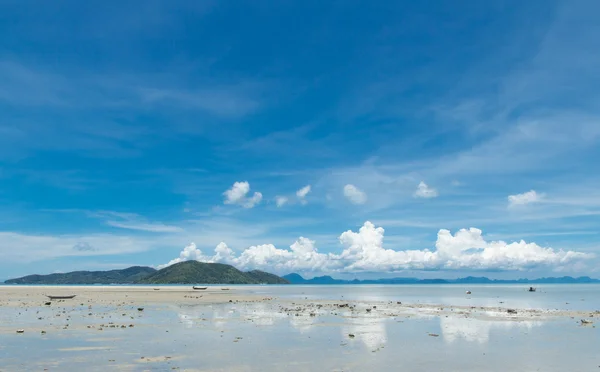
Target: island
x: 188, y: 272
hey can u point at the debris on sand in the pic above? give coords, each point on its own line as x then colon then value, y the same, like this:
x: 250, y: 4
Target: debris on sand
x: 434, y: 335
x: 511, y: 311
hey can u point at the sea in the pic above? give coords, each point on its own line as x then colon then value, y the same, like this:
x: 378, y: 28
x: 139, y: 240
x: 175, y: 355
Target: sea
x: 260, y: 337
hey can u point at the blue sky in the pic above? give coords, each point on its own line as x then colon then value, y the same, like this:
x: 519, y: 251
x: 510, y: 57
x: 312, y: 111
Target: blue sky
x: 122, y: 126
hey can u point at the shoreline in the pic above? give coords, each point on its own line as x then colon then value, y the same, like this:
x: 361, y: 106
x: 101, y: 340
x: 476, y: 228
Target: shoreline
x: 121, y: 328
x: 115, y: 299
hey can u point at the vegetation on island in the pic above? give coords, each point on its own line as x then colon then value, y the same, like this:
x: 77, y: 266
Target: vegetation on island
x: 188, y: 272
x: 194, y: 272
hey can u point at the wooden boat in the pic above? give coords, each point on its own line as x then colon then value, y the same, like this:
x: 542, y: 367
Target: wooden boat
x: 61, y: 297
x: 199, y: 288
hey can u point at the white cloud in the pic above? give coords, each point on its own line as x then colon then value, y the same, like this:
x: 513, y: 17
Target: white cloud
x: 424, y: 191
x: 132, y: 221
x: 238, y: 194
x: 525, y: 198
x: 16, y: 247
x: 190, y: 252
x: 301, y: 194
x: 363, y: 251
x: 152, y: 227
x: 354, y: 194
x: 281, y: 201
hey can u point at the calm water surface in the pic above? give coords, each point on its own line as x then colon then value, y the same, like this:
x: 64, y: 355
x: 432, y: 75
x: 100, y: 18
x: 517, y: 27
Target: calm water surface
x: 547, y: 296
x: 258, y: 337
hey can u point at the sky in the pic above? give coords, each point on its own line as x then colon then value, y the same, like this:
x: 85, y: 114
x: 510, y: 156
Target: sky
x: 357, y: 139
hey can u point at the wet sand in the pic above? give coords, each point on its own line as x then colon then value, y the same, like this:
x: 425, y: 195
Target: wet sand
x: 32, y: 297
x: 24, y: 296
x: 105, y: 320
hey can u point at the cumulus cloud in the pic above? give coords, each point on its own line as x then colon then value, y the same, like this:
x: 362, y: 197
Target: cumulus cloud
x: 363, y: 251
x: 190, y: 252
x: 425, y: 191
x: 301, y: 194
x: 280, y: 201
x: 238, y: 194
x: 354, y: 194
x: 525, y: 198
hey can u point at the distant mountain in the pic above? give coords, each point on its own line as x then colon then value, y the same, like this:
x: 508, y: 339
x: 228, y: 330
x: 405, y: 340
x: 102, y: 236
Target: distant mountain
x: 268, y: 278
x: 189, y: 272
x: 125, y: 276
x: 194, y: 272
x: 298, y: 279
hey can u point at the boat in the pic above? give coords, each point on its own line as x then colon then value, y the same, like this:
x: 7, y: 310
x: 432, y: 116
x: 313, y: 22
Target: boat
x: 60, y: 297
x: 199, y: 288
x: 468, y: 292
x: 531, y: 289
x: 224, y: 289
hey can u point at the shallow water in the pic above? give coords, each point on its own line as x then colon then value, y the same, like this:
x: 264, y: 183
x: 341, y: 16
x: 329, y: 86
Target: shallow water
x: 260, y: 337
x: 547, y: 296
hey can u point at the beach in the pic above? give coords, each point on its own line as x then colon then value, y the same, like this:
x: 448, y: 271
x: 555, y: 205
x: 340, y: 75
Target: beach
x: 297, y: 328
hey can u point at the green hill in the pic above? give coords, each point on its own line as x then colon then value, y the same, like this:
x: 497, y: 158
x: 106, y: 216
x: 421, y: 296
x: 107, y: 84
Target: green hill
x: 125, y: 276
x: 194, y: 272
x: 268, y: 278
